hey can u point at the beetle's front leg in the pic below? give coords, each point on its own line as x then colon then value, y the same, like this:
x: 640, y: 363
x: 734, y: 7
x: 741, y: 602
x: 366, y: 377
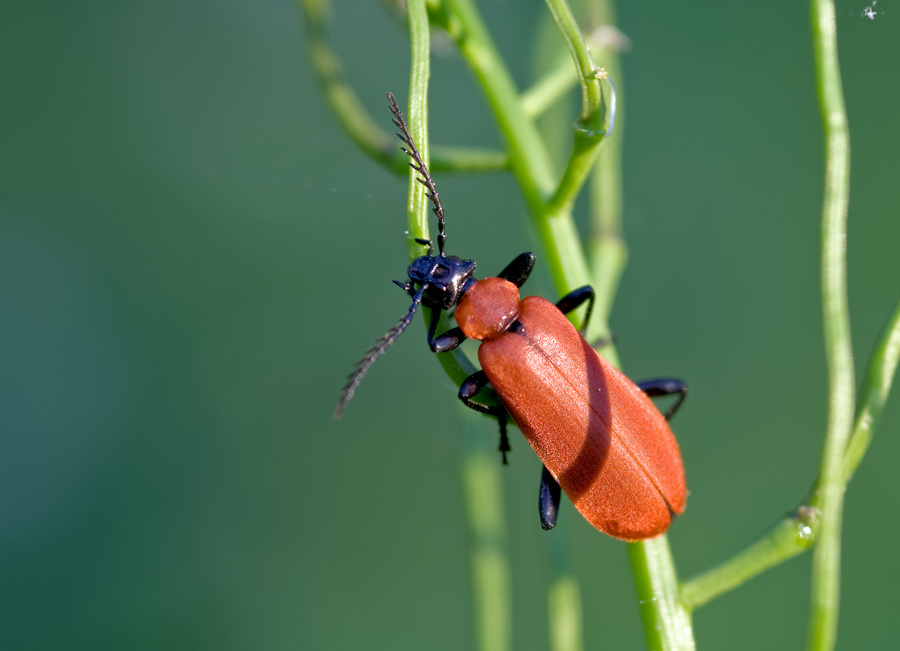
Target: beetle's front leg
x: 471, y: 386
x: 447, y: 341
x: 518, y: 270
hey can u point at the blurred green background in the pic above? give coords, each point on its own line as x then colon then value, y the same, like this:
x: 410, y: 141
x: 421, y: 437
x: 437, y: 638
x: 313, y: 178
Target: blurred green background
x: 193, y: 255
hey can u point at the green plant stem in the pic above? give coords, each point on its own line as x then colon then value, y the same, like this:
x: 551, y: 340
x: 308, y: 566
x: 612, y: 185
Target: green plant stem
x: 594, y: 121
x: 418, y: 205
x: 789, y: 537
x: 591, y: 93
x: 874, y: 395
x: 368, y: 134
x: 561, y: 75
x: 667, y: 625
x: 839, y: 354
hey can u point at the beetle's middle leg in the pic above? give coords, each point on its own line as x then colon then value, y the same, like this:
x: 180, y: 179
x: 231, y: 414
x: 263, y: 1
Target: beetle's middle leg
x: 471, y: 386
x: 574, y: 299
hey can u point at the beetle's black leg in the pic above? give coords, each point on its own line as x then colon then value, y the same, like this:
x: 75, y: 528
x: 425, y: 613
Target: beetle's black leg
x: 666, y: 387
x: 427, y: 243
x: 548, y: 500
x: 471, y: 386
x: 504, y: 439
x: 447, y: 341
x: 518, y: 270
x: 574, y: 299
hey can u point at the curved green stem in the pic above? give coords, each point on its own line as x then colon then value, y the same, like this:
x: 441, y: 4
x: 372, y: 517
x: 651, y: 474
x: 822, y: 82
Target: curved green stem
x: 368, y: 134
x: 789, y: 537
x: 839, y: 354
x: 591, y: 93
x: 595, y: 118
x: 874, y: 395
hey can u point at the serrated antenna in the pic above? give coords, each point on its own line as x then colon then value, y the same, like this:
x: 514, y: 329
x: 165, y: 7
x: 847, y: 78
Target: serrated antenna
x: 419, y: 165
x: 363, y: 365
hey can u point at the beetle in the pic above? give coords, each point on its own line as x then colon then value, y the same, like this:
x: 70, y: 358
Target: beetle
x: 598, y: 434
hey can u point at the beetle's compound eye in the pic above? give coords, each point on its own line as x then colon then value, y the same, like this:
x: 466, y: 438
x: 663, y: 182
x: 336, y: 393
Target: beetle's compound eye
x: 488, y: 309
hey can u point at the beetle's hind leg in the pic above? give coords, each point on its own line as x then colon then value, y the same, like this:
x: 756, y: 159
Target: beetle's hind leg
x: 666, y: 386
x: 471, y: 386
x: 548, y: 500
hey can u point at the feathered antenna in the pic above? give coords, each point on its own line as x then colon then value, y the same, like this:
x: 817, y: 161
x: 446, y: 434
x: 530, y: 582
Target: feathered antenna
x: 363, y: 365
x: 419, y: 165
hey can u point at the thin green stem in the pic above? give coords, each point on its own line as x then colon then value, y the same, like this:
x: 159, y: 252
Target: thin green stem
x: 787, y: 538
x: 839, y: 354
x: 368, y: 134
x: 418, y: 205
x: 820, y: 520
x: 667, y: 625
x: 561, y: 75
x: 591, y: 93
x: 879, y: 378
x: 595, y: 113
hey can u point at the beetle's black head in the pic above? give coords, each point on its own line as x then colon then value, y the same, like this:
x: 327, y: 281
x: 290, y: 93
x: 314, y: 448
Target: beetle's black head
x: 445, y: 277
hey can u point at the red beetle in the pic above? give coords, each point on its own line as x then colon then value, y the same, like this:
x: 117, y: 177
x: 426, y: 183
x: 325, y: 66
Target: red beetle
x: 597, y: 433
